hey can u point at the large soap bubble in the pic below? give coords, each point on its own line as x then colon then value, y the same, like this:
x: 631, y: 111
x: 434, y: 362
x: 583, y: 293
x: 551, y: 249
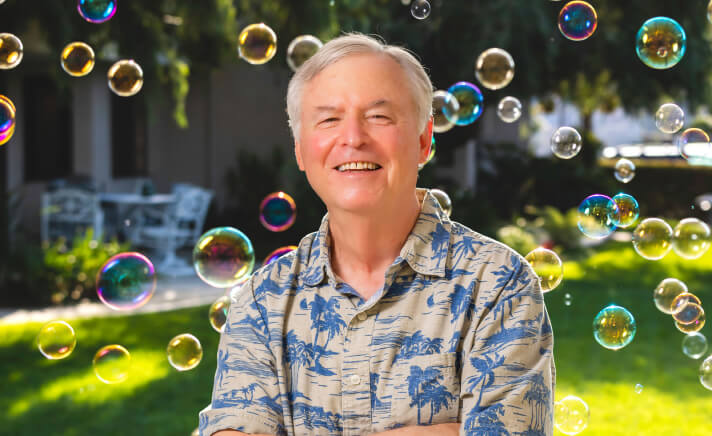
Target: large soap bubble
x: 223, y: 257
x: 548, y: 267
x: 11, y: 51
x: 614, y: 327
x: 577, y: 20
x: 595, y: 216
x: 652, y: 239
x: 257, y: 43
x: 56, y: 340
x: 469, y: 97
x: 571, y: 415
x: 566, y: 142
x: 184, y: 352
x: 691, y: 238
x: 126, y: 281
x: 666, y: 292
x: 494, y: 68
x: 661, y: 43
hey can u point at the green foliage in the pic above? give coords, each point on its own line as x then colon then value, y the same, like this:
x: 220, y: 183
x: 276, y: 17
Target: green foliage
x: 517, y: 238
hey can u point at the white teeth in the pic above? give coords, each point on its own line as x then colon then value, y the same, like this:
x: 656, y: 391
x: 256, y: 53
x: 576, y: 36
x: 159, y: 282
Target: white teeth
x: 358, y: 166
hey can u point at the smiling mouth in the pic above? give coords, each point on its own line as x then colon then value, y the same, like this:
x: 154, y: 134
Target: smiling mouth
x: 358, y: 166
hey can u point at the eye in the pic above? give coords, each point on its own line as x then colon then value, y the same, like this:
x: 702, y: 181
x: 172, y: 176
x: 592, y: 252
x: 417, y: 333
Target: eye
x: 329, y: 120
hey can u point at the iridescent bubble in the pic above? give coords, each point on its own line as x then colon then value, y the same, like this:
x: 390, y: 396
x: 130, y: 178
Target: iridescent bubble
x: 445, y: 110
x: 694, y: 144
x: 628, y: 210
x: 278, y: 211
x: 660, y: 43
x: 706, y: 373
x: 77, y: 59
x: 571, y: 415
x: 125, y: 78
x: 509, y: 109
x: 577, y: 20
x: 614, y: 327
x: 184, y: 352
x: 652, y: 239
x: 470, y: 100
x: 691, y: 238
x: 494, y: 68
x: 420, y: 9
x: 7, y: 119
x: 11, y: 51
x: 96, y: 11
x: 56, y: 340
x: 223, y: 257
x: 692, y: 327
x: 638, y: 388
x: 624, y: 170
x: 301, y: 49
x: 276, y: 254
x: 594, y: 216
x: 690, y: 313
x: 431, y: 155
x: 443, y: 200
x: 257, y: 43
x: 566, y: 142
x: 669, y: 118
x: 112, y: 364
x: 682, y: 300
x: 217, y: 314
x: 547, y: 266
x: 694, y: 345
x: 665, y: 293
x: 126, y: 281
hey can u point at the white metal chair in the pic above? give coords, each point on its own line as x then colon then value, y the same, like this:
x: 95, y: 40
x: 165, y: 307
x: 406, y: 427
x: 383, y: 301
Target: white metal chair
x: 68, y: 210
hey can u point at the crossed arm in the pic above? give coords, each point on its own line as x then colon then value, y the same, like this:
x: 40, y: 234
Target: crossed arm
x: 415, y: 430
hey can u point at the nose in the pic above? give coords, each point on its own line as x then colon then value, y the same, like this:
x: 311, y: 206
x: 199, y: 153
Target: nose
x: 353, y: 133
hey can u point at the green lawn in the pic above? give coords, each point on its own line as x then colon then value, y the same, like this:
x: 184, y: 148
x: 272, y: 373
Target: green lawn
x: 42, y: 397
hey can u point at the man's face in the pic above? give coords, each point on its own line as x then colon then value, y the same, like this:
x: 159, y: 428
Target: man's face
x: 360, y: 112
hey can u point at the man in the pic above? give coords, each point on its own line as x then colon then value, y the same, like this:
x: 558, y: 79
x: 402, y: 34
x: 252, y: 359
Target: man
x: 391, y: 319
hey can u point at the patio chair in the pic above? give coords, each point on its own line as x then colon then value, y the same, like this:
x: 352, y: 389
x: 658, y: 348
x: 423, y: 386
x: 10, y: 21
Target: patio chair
x: 66, y: 211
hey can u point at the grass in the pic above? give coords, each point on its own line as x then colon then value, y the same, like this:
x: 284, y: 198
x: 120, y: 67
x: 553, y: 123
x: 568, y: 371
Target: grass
x: 65, y: 398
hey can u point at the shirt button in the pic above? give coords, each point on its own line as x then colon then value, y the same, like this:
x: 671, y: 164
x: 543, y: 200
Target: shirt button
x: 362, y: 316
x: 354, y: 379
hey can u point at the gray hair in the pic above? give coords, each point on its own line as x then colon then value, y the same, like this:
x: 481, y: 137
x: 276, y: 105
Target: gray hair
x: 352, y: 44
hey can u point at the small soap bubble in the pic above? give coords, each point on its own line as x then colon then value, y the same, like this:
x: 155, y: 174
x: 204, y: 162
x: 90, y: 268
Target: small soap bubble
x: 706, y: 373
x: 276, y: 254
x: 638, y: 388
x: 577, y: 20
x: 494, y: 68
x: 301, y: 49
x: 614, y: 327
x: 7, y: 119
x: 11, y: 51
x: 278, y: 211
x: 431, y: 155
x: 683, y: 300
x: 420, y: 9
x: 568, y: 299
x: 223, y: 257
x: 257, y: 43
x: 628, y: 210
x: 694, y: 345
x: 694, y: 144
x: 445, y: 110
x: 125, y: 78
x: 571, y: 415
x: 691, y: 238
x: 594, y: 216
x: 184, y: 352
x: 56, y: 340
x: 692, y: 327
x: 126, y: 281
x: 509, y: 109
x: 77, y: 59
x: 112, y: 364
x: 624, y: 170
x: 217, y: 314
x: 566, y: 142
x: 660, y: 43
x: 471, y: 102
x: 548, y: 267
x: 689, y: 313
x: 443, y: 200
x: 96, y: 11
x: 669, y: 118
x: 652, y: 239
x: 666, y: 292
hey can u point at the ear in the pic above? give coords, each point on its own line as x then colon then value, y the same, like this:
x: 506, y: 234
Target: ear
x: 298, y: 155
x: 425, y: 139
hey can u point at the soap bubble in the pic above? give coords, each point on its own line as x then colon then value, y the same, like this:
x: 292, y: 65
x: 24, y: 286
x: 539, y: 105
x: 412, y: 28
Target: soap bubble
x: 706, y: 373
x: 694, y: 345
x: 217, y: 314
x: 257, y: 43
x: 7, y: 119
x: 431, y: 155
x: 624, y: 170
x: 652, y: 239
x: 420, y: 9
x: 112, y: 364
x: 694, y: 144
x: 509, y: 109
x: 96, y: 11
x: 276, y: 254
x: 694, y: 326
x: 301, y: 49
x: 494, y: 68
x: 568, y: 299
x: 470, y: 100
x: 566, y: 142
x: 682, y: 300
x: 56, y: 340
x: 614, y: 327
x: 278, y: 211
x: 665, y: 293
x: 571, y: 415
x: 691, y: 238
x: 628, y: 210
x: 661, y: 43
x: 443, y: 200
x: 709, y: 11
x: 77, y: 59
x: 184, y: 352
x: 547, y: 266
x: 689, y: 313
x: 445, y: 109
x: 669, y: 118
x: 223, y: 257
x: 126, y: 281
x: 594, y: 216
x: 125, y: 78
x: 577, y: 20
x: 11, y: 51
x: 638, y: 388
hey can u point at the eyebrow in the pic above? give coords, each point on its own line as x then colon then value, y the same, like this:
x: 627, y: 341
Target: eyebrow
x: 374, y: 104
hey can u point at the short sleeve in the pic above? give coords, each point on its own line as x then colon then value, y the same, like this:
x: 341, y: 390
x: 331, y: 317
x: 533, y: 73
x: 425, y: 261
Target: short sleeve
x: 508, y: 373
x: 246, y: 387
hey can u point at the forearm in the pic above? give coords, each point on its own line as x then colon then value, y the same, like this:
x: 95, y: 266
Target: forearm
x: 423, y: 430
